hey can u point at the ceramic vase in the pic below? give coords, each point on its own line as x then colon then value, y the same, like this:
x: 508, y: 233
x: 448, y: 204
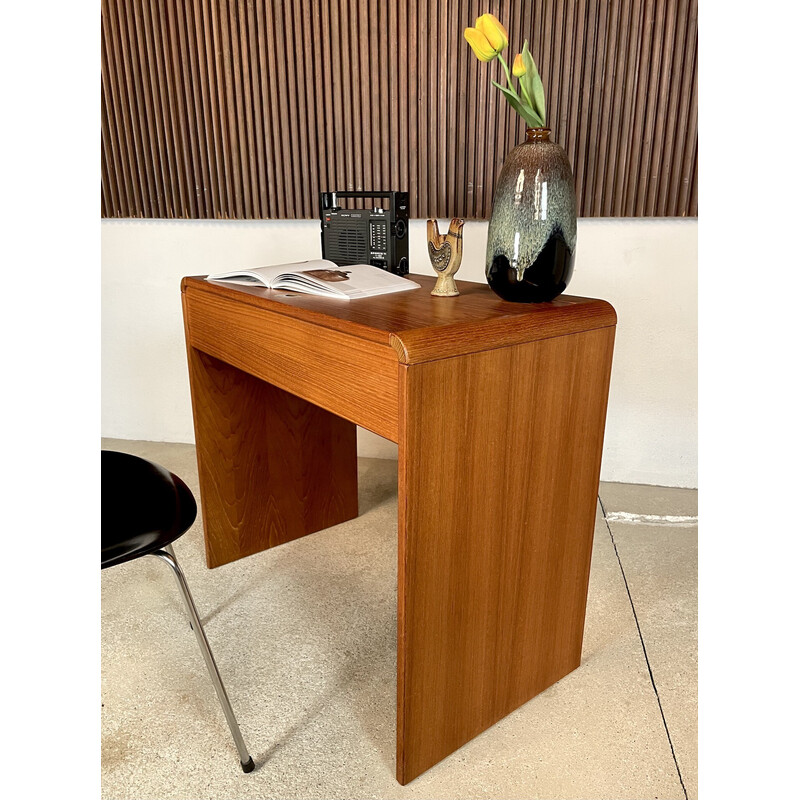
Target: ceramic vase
x: 533, y: 229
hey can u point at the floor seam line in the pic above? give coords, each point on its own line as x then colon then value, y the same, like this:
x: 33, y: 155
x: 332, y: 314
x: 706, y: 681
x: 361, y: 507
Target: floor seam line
x: 644, y: 649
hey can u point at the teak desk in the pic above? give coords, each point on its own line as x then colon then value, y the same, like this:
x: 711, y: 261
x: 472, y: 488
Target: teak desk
x: 498, y: 410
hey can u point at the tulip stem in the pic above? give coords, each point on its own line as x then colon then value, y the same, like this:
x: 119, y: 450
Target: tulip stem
x: 508, y: 74
x: 527, y: 96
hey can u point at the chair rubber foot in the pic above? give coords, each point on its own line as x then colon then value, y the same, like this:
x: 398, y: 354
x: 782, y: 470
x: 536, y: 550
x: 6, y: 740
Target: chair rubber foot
x: 249, y: 766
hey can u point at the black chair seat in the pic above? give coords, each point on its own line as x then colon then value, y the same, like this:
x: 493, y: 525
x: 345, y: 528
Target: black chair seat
x: 144, y: 508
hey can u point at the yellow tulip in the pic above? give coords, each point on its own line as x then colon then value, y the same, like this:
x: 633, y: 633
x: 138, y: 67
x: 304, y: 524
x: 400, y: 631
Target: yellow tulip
x: 518, y: 67
x: 493, y: 30
x: 480, y: 44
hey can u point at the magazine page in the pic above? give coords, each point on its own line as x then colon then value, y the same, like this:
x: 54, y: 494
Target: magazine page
x: 352, y: 281
x: 266, y: 275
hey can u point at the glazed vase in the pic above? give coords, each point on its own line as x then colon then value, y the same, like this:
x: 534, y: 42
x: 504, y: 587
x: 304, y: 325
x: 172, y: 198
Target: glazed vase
x: 533, y: 229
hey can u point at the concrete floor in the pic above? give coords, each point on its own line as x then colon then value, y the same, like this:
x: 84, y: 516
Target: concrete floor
x: 304, y: 636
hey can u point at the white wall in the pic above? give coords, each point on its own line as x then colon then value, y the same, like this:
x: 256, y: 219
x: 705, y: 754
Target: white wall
x: 646, y: 268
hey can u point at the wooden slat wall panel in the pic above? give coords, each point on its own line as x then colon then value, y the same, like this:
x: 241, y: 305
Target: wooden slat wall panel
x: 247, y: 109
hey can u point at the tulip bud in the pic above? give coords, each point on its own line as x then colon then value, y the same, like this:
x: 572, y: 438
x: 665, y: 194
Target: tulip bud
x: 518, y: 68
x: 480, y: 44
x: 493, y: 30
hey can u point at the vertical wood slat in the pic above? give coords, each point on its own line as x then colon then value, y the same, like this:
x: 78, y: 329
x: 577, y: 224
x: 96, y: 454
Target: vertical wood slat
x: 247, y: 109
x: 362, y: 18
x: 448, y: 105
x: 603, y: 155
x: 355, y: 97
x: 272, y: 132
x: 217, y: 69
x: 229, y: 104
x: 652, y: 115
x: 109, y: 198
x: 423, y: 128
x: 118, y: 131
x: 305, y: 127
x: 492, y: 102
x: 149, y: 150
x: 126, y: 114
x: 633, y: 23
x: 688, y: 194
x: 317, y: 104
x: 672, y: 138
x: 335, y: 121
x: 182, y: 128
x: 639, y: 111
x: 457, y: 121
x: 160, y: 78
x: 662, y: 122
x: 482, y: 123
x: 112, y: 143
x: 402, y: 111
x: 244, y: 115
x: 258, y: 163
x: 208, y: 87
x: 198, y: 181
x: 688, y: 137
x: 612, y: 158
x: 150, y: 93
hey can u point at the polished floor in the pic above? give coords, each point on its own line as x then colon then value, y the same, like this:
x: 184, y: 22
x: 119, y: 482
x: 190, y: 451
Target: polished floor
x: 304, y: 636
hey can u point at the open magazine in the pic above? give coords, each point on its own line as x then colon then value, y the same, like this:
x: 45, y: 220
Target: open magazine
x: 322, y: 278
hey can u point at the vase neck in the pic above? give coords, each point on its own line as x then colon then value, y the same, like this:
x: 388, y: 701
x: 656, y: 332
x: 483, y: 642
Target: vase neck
x: 537, y: 135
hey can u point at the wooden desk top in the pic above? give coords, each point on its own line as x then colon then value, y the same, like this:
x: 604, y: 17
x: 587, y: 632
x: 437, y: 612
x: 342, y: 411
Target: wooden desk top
x: 421, y: 327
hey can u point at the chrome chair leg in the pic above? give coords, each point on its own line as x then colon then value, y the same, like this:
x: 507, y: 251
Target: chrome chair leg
x: 245, y: 758
x: 169, y: 549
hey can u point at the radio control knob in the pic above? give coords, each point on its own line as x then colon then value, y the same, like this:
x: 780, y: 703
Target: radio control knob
x: 400, y: 229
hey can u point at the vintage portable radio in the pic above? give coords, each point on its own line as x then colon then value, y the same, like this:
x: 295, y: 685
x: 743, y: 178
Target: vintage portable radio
x: 376, y: 236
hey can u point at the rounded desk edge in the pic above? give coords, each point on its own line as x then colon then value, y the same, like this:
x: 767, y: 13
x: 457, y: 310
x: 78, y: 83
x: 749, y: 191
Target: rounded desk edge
x: 431, y: 344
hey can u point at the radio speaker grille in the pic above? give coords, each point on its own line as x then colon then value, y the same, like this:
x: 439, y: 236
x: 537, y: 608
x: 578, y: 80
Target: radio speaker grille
x: 349, y: 246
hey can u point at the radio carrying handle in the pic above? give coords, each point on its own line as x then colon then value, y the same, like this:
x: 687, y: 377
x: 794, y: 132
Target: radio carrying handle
x: 328, y: 199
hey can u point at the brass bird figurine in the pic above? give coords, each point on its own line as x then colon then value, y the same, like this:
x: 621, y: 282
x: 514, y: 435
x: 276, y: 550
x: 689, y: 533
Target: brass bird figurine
x: 445, y: 255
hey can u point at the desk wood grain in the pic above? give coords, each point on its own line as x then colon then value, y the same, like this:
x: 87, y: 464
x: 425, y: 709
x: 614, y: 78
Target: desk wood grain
x: 272, y: 466
x: 498, y: 477
x: 352, y: 376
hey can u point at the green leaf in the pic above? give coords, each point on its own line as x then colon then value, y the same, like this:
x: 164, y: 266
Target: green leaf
x: 533, y: 83
x: 522, y: 108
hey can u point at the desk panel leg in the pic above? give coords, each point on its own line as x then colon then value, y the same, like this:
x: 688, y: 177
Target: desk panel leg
x: 498, y: 477
x: 272, y: 466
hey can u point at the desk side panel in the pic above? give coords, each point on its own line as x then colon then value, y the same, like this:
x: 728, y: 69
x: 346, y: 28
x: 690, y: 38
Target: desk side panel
x: 349, y: 376
x: 272, y: 467
x: 499, y: 470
